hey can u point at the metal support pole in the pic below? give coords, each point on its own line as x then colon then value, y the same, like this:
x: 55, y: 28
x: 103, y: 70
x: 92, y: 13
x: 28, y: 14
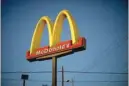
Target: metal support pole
x: 62, y: 76
x: 54, y: 71
x: 23, y: 82
x: 72, y: 82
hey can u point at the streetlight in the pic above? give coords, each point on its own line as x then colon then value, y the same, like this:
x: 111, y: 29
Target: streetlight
x: 71, y: 82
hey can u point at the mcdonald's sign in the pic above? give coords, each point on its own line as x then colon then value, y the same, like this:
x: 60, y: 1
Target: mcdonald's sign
x: 56, y: 47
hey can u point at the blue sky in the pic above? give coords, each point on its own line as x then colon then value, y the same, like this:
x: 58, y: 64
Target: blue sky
x: 102, y: 22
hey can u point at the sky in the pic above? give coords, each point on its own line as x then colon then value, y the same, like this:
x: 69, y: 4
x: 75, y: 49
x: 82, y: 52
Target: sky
x: 104, y: 24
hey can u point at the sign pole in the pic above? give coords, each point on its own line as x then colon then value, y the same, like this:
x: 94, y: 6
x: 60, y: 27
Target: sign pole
x: 24, y: 82
x: 54, y: 71
x: 24, y: 77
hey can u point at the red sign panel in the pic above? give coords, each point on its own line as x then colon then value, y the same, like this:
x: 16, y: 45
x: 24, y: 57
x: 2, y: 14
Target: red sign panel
x: 57, y: 50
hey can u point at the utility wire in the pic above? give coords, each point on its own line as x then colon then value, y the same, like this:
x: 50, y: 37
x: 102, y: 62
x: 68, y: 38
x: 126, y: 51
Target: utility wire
x: 105, y: 52
x: 57, y: 81
x: 94, y: 72
x: 65, y: 72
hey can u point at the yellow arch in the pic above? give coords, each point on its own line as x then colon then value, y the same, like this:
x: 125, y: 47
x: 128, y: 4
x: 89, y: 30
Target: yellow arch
x: 57, y: 28
x: 54, y: 30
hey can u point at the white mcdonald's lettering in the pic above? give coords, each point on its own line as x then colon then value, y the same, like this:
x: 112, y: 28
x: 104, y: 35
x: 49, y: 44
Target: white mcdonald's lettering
x: 53, y: 49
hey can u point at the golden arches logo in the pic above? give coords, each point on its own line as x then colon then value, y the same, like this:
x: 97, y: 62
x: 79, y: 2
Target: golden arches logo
x: 54, y: 29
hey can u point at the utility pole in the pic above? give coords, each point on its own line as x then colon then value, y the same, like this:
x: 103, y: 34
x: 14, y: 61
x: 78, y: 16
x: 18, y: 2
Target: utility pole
x: 62, y: 76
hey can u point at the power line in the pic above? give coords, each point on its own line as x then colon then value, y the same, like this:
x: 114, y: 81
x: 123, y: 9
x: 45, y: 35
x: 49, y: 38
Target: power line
x: 57, y: 81
x: 65, y: 72
x: 29, y: 72
x: 105, y: 52
x: 94, y: 72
